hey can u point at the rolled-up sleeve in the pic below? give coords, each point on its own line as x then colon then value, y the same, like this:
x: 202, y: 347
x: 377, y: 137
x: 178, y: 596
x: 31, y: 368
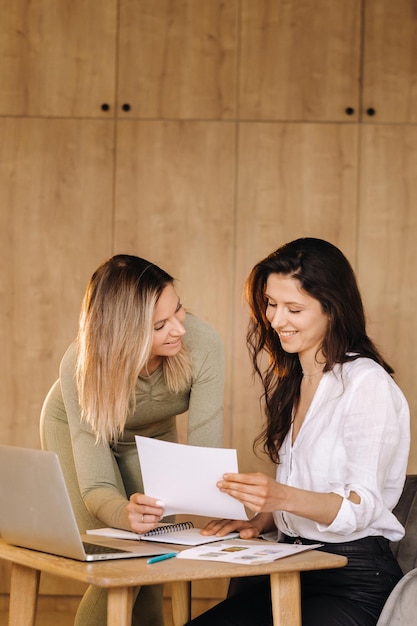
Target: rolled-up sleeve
x: 355, y: 438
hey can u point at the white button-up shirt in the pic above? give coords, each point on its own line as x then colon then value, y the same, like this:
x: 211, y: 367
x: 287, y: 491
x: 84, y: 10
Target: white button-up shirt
x: 355, y: 437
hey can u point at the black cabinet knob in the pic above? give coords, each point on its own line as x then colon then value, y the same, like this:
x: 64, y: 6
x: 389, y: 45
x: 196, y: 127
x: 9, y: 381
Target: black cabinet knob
x: 349, y: 111
x: 105, y: 106
x: 370, y: 111
x: 126, y: 107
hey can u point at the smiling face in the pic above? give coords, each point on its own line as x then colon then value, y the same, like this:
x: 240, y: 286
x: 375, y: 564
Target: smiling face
x: 168, y: 324
x: 296, y: 317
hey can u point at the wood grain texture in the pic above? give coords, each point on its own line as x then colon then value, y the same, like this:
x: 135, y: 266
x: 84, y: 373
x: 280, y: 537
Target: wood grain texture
x: 387, y: 251
x: 177, y: 58
x: 299, y: 60
x: 56, y: 181
x: 23, y: 603
x: 175, y: 206
x: 237, y: 141
x: 283, y: 593
x: 181, y: 603
x: 133, y: 572
x: 120, y: 576
x: 57, y: 58
x: 294, y: 180
x: 53, y: 610
x: 390, y: 61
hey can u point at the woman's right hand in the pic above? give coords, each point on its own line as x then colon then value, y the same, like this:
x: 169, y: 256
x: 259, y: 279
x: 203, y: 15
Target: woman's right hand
x: 144, y: 513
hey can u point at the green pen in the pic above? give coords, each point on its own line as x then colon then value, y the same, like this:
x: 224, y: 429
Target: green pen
x: 161, y: 557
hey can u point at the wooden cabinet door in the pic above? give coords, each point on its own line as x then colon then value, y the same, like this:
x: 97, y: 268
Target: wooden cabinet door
x: 387, y: 250
x: 294, y: 180
x: 300, y: 60
x: 55, y: 227
x: 57, y: 57
x: 390, y: 61
x: 175, y: 206
x: 177, y: 59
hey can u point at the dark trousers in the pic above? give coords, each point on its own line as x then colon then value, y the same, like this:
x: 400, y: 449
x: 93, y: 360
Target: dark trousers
x: 350, y: 596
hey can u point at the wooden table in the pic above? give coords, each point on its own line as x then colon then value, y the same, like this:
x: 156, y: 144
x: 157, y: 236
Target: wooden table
x: 120, y: 576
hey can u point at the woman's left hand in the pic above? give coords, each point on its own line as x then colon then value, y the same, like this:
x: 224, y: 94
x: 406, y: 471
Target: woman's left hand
x: 144, y: 512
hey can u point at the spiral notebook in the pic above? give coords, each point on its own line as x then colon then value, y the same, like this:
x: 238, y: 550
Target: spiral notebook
x: 180, y: 533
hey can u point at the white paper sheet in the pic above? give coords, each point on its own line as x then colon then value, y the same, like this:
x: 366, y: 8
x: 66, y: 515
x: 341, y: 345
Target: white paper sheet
x: 184, y: 477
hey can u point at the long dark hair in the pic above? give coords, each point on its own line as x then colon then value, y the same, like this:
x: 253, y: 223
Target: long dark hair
x: 325, y: 274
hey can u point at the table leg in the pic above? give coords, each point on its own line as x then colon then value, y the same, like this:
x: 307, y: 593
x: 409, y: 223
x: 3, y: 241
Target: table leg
x: 119, y: 606
x: 181, y: 602
x: 286, y: 598
x: 24, y: 587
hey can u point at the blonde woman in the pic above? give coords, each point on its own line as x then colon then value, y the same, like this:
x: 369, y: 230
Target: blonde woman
x: 139, y: 361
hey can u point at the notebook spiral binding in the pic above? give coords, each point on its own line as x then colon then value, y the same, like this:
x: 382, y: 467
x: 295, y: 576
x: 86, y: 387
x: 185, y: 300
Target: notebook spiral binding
x: 169, y: 528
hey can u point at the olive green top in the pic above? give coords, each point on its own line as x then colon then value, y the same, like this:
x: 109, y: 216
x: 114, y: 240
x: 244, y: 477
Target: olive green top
x: 108, y: 474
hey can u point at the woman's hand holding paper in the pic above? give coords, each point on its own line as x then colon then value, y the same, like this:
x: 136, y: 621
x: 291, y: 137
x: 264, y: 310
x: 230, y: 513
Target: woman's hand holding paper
x: 144, y: 512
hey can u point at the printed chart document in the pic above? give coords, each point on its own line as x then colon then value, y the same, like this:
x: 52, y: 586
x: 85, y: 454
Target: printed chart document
x: 184, y: 477
x: 244, y: 552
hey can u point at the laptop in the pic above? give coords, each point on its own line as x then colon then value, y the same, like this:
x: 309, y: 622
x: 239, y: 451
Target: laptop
x: 36, y: 511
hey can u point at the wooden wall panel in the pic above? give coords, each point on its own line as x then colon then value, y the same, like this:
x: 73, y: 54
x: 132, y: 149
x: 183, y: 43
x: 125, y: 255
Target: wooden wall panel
x: 175, y: 206
x: 190, y: 186
x: 299, y: 60
x: 178, y: 59
x: 57, y: 57
x: 390, y: 60
x: 56, y: 183
x: 294, y: 180
x: 387, y: 251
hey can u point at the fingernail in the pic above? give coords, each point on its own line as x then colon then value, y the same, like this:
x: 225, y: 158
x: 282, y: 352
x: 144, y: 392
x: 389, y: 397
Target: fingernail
x: 160, y: 503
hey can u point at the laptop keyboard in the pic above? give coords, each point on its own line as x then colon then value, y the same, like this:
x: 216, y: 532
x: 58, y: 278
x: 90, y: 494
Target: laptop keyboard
x: 95, y: 548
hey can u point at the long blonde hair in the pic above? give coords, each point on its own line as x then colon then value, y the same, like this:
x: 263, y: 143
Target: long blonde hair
x: 115, y: 340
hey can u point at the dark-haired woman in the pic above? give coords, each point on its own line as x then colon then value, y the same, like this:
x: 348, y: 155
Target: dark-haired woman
x: 337, y: 428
